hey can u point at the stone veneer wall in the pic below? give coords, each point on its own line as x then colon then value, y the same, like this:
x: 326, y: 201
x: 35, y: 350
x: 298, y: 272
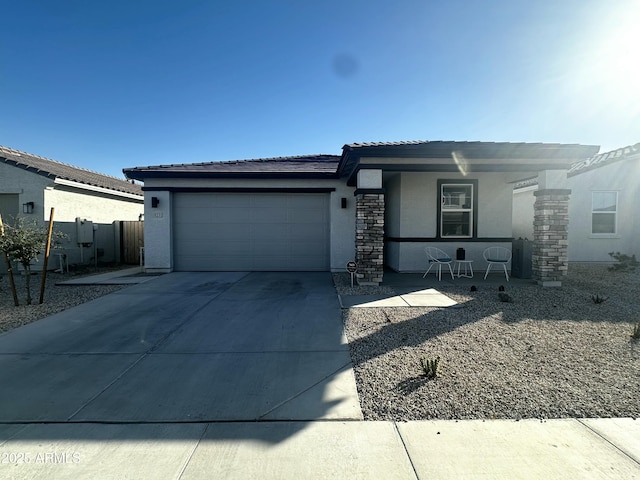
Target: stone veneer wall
x: 551, y: 236
x: 369, y: 237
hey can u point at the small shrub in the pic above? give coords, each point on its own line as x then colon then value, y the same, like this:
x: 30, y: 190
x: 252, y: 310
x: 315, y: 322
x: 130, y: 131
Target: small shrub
x: 625, y: 263
x: 597, y: 299
x: 636, y: 331
x: 505, y: 297
x: 430, y: 366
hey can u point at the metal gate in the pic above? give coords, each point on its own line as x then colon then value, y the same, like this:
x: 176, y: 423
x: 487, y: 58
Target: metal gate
x: 131, y: 241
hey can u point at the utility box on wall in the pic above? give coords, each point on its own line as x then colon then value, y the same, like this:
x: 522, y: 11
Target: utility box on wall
x: 84, y: 231
x: 521, y: 262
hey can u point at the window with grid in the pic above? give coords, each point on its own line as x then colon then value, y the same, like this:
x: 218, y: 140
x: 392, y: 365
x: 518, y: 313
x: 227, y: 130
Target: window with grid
x: 604, y: 212
x: 456, y: 210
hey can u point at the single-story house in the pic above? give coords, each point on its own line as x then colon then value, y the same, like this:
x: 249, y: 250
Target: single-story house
x: 603, y: 218
x: 86, y: 203
x: 379, y: 204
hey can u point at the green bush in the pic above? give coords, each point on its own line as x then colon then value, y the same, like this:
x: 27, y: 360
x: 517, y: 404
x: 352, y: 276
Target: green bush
x: 23, y: 242
x: 624, y: 263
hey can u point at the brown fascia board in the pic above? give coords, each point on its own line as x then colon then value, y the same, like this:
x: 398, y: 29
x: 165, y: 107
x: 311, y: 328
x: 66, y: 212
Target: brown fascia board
x: 139, y: 174
x: 473, y: 150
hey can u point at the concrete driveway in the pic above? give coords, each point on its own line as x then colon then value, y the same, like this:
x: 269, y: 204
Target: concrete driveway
x: 186, y: 347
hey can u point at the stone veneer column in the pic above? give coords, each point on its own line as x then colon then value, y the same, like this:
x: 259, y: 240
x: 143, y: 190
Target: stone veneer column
x: 550, y: 235
x: 369, y: 237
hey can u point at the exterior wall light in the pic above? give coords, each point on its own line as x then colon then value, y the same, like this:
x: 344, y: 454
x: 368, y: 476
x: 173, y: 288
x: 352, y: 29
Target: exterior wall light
x: 28, y: 207
x: 343, y: 202
x: 155, y: 201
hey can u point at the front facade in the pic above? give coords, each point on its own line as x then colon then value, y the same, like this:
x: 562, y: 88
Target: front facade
x: 378, y: 203
x: 31, y: 185
x: 603, y: 215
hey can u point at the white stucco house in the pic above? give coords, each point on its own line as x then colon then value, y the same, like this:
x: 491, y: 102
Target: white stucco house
x: 603, y: 213
x: 31, y: 185
x: 377, y: 203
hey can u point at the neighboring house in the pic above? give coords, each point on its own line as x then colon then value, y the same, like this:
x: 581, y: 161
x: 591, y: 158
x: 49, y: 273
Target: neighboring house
x: 603, y: 210
x: 378, y: 203
x: 86, y: 203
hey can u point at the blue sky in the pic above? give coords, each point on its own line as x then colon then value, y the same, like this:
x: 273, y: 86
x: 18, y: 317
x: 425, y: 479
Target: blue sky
x: 109, y: 85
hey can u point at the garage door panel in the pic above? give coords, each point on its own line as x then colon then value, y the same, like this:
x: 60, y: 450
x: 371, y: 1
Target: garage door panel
x: 307, y: 232
x: 192, y: 215
x: 231, y: 200
x: 279, y: 202
x: 302, y: 249
x: 300, y: 215
x: 280, y: 233
x: 230, y: 232
x: 251, y: 232
x: 271, y: 249
x: 268, y: 215
x: 230, y: 215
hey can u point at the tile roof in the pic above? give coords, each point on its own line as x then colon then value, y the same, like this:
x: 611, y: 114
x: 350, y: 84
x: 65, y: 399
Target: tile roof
x: 54, y: 169
x: 606, y: 158
x: 591, y: 163
x: 304, y: 165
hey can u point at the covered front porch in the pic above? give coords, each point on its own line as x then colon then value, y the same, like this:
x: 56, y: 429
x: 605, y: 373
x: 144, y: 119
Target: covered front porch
x: 455, y: 195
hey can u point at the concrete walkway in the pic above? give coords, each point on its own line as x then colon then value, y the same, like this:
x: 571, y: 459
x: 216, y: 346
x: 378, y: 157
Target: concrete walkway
x: 499, y: 449
x: 235, y: 376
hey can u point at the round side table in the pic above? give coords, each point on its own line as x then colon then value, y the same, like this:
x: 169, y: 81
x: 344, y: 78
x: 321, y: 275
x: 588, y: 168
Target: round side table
x: 467, y: 268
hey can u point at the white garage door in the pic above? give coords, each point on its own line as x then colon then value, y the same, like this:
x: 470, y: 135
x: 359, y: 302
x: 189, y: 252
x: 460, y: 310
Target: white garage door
x: 251, y: 231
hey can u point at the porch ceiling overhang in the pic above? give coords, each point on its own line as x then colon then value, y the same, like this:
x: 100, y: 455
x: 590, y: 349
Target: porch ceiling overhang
x: 466, y: 157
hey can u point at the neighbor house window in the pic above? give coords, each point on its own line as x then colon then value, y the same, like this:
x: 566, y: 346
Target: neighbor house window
x: 604, y: 210
x: 456, y: 210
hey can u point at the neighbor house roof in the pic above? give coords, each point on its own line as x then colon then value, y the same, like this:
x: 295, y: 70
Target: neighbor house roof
x: 57, y: 170
x: 624, y: 153
x: 596, y: 161
x: 307, y: 166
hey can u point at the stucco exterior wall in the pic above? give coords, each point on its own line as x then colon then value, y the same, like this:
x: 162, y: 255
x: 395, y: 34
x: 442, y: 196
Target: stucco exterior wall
x: 96, y: 206
x: 29, y: 186
x: 621, y: 177
x: 158, y: 221
x: 101, y: 208
x: 415, y: 215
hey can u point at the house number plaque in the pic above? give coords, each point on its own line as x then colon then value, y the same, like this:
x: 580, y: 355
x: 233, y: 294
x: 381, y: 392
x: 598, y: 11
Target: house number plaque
x: 352, y: 268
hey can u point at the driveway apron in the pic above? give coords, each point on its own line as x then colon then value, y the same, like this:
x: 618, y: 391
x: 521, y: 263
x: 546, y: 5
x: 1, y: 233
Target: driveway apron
x: 210, y: 346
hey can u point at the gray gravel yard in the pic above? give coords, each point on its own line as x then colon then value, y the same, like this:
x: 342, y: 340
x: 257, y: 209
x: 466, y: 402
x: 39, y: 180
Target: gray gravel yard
x: 551, y: 353
x: 56, y: 298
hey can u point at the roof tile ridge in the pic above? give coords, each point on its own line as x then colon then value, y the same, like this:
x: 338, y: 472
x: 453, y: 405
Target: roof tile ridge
x: 58, y: 162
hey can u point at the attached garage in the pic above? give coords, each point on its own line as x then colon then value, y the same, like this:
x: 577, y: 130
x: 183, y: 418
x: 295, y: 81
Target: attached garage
x: 221, y: 231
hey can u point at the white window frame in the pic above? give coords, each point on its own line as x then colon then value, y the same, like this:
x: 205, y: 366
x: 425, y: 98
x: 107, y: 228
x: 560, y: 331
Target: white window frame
x: 456, y: 208
x: 600, y: 212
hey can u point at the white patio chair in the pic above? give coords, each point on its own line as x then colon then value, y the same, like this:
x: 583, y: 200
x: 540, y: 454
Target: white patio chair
x: 435, y: 256
x: 497, y: 256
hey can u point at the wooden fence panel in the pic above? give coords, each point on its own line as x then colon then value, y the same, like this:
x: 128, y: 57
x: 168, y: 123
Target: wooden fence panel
x: 131, y: 239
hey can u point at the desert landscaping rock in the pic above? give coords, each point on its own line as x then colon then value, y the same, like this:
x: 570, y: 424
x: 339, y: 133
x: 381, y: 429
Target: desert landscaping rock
x: 56, y: 299
x: 551, y: 353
